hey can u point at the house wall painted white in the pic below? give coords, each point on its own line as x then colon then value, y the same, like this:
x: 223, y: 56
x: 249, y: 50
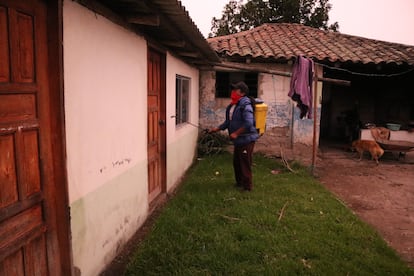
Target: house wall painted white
x: 105, y: 90
x: 181, y: 139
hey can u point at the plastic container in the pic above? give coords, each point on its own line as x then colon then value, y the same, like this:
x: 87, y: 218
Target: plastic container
x: 260, y: 114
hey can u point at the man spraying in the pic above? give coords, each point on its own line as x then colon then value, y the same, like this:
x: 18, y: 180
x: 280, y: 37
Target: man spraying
x: 241, y: 126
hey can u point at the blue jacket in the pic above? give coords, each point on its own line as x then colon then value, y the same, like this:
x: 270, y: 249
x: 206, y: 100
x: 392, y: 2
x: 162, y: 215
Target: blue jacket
x: 242, y: 117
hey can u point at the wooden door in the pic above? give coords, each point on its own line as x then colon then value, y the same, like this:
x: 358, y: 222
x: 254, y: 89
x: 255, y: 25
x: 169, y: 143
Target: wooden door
x: 156, y: 123
x: 28, y: 239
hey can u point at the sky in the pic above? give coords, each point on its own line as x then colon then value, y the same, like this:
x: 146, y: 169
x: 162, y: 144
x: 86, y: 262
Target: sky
x: 387, y: 20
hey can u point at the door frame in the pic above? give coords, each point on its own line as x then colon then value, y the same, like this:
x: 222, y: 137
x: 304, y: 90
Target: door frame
x: 61, y: 211
x: 163, y: 111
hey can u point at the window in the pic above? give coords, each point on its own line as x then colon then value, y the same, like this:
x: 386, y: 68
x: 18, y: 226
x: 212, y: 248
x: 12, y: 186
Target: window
x: 222, y: 85
x: 182, y: 96
x: 224, y: 79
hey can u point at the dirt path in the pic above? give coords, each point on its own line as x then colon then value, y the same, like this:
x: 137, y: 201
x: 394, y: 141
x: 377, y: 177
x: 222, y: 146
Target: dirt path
x: 383, y: 195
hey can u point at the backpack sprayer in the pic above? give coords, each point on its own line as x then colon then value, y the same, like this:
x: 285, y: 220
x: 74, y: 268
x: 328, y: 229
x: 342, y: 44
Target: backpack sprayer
x: 260, y: 112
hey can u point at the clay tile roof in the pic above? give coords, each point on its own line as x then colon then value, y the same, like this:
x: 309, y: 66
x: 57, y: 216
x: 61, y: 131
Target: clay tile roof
x: 284, y: 41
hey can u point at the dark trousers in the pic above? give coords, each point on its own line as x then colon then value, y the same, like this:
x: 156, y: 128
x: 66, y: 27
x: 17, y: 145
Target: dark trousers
x: 242, y: 164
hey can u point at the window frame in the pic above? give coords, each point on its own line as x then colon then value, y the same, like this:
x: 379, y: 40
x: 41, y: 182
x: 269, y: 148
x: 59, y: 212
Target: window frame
x: 225, y: 78
x: 182, y: 99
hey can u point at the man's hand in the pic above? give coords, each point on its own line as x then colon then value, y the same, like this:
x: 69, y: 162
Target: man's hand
x: 235, y: 134
x: 213, y: 130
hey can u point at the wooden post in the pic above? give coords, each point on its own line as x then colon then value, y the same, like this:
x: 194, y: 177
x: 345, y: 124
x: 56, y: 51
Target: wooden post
x: 315, y: 117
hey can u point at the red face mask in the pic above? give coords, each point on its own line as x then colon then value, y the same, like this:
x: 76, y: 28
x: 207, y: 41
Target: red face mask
x: 235, y: 97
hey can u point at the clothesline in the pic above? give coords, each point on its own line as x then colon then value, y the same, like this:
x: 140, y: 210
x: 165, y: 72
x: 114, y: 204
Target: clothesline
x: 256, y: 68
x: 365, y: 74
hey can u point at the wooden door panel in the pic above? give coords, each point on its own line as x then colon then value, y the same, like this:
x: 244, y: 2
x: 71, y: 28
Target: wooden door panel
x: 35, y: 256
x: 29, y: 259
x: 156, y: 138
x: 19, y: 167
x: 13, y: 264
x: 17, y: 107
x: 18, y: 230
x: 153, y: 177
x: 4, y: 47
x: 8, y: 177
x: 22, y: 47
x: 26, y: 226
x: 29, y: 164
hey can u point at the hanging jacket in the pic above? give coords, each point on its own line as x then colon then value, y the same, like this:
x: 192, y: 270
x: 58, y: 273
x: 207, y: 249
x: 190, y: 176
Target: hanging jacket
x: 301, y: 85
x: 242, y: 117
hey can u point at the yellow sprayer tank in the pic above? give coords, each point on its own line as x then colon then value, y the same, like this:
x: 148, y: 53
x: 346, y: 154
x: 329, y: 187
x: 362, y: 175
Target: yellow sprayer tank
x: 260, y: 115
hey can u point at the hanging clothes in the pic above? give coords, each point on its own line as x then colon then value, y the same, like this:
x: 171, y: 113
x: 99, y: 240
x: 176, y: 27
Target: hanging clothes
x: 301, y: 85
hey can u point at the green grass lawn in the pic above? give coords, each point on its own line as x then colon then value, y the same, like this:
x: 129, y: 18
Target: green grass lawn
x: 288, y: 225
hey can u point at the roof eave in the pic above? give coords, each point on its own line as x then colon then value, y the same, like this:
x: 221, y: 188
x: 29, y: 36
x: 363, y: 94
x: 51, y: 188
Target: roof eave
x: 165, y: 22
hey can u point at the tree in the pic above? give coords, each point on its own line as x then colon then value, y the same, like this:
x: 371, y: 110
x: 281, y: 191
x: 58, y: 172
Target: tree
x: 230, y: 19
x: 238, y: 17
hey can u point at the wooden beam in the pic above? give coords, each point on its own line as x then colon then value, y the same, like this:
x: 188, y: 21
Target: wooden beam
x: 250, y: 67
x: 105, y: 12
x: 189, y: 54
x: 262, y: 69
x: 335, y: 81
x: 175, y: 43
x: 147, y: 20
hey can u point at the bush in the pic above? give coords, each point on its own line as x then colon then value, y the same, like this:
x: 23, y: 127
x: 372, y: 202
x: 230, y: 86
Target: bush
x: 211, y: 143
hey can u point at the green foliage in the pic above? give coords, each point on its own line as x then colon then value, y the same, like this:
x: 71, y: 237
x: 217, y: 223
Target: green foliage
x: 238, y: 17
x: 288, y: 225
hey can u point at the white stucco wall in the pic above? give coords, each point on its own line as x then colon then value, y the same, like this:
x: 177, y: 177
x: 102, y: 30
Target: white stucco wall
x: 105, y: 81
x: 181, y: 139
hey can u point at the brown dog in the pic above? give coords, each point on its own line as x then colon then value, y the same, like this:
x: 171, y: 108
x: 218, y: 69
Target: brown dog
x: 368, y: 145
